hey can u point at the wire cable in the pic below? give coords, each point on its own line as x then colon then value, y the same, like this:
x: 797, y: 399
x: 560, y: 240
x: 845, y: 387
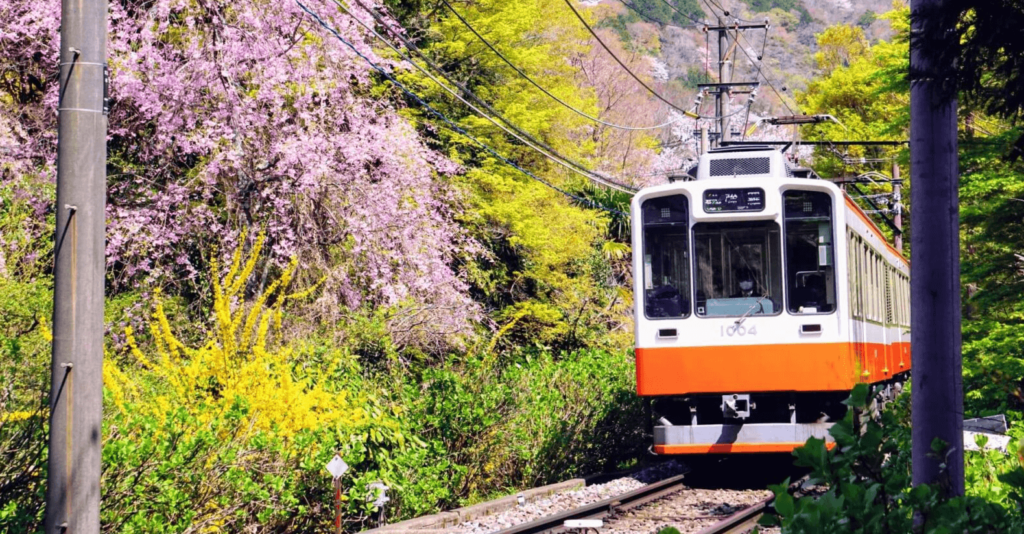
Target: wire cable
x: 619, y: 61
x: 758, y: 63
x: 441, y: 116
x: 532, y: 142
x: 764, y: 74
x: 542, y: 89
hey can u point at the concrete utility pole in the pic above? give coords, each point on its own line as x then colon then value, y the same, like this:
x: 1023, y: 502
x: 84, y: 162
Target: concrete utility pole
x: 73, y: 479
x: 937, y: 395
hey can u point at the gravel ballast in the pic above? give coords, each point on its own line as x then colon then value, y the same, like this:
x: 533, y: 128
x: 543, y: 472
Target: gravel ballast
x: 568, y: 500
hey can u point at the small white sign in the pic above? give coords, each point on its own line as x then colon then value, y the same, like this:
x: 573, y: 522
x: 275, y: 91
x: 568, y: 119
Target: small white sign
x: 337, y: 466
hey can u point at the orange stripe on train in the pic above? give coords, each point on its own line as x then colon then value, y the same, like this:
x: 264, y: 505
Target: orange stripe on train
x: 760, y: 368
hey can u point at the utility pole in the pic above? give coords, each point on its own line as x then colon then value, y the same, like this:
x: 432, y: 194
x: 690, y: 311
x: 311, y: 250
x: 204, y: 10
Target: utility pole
x: 937, y: 395
x: 722, y: 95
x: 76, y: 395
x: 725, y: 84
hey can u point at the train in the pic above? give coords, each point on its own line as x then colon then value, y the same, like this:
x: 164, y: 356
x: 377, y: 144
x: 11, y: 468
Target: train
x: 763, y: 295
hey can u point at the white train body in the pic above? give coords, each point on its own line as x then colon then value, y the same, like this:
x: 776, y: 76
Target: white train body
x: 761, y: 300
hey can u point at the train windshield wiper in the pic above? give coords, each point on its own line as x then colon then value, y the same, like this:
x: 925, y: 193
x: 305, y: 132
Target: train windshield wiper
x: 751, y: 310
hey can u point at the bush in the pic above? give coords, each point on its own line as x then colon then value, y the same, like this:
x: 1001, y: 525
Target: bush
x: 24, y: 387
x: 533, y: 421
x: 228, y: 428
x: 868, y: 481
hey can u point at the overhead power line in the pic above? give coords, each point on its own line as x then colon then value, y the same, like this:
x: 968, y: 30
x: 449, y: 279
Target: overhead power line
x: 619, y: 61
x: 542, y: 89
x: 529, y: 140
x: 444, y: 118
x: 759, y: 63
x: 763, y: 74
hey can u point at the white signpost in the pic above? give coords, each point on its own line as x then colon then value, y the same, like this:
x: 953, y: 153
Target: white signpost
x: 337, y: 468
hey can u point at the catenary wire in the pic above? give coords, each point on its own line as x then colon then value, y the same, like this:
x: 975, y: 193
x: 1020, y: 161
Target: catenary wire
x: 619, y: 61
x: 441, y: 116
x: 588, y: 173
x: 759, y: 64
x: 541, y: 88
x: 764, y: 74
x: 530, y: 141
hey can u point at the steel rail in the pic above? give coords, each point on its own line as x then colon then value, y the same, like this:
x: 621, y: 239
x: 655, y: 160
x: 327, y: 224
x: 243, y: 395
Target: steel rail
x: 747, y: 518
x: 740, y: 521
x: 600, y: 509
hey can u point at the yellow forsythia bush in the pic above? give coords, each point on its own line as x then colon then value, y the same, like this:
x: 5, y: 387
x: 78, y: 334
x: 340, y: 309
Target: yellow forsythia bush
x: 239, y: 361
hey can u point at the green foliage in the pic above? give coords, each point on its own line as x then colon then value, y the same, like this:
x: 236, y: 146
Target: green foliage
x: 618, y: 24
x: 867, y: 476
x: 867, y: 18
x: 536, y: 272
x: 764, y: 6
x: 864, y: 87
x: 694, y: 75
x: 533, y: 421
x: 26, y: 223
x: 194, y: 445
x: 991, y: 238
x: 24, y: 387
x: 25, y: 307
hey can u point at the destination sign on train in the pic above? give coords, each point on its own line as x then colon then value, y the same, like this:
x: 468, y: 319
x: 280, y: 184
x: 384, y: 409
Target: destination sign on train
x: 717, y: 200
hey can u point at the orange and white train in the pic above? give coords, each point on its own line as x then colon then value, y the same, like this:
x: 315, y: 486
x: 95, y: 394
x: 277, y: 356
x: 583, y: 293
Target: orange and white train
x: 762, y: 298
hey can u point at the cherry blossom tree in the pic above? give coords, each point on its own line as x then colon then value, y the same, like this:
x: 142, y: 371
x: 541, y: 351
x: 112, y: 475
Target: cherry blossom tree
x: 230, y: 117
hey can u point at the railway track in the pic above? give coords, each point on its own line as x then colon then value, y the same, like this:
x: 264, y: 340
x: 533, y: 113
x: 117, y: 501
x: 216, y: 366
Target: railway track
x: 628, y: 511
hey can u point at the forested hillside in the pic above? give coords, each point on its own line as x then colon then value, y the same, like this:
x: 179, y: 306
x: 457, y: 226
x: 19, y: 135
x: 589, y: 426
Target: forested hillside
x: 394, y: 230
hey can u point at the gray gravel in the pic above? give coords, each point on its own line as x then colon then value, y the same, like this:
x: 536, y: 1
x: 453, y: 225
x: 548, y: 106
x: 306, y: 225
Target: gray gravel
x: 690, y: 510
x: 568, y: 500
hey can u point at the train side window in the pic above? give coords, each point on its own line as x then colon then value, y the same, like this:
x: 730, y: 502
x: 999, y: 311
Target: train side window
x: 851, y: 270
x: 810, y: 265
x: 869, y: 293
x: 858, y: 276
x: 862, y: 280
x: 906, y: 302
x: 666, y: 257
x: 889, y: 318
x: 902, y: 308
x: 851, y: 273
x: 879, y: 290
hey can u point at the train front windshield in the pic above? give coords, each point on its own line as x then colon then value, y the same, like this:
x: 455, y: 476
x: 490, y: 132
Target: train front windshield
x: 737, y: 268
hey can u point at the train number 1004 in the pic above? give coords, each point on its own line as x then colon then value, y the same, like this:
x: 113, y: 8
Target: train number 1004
x: 738, y: 330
